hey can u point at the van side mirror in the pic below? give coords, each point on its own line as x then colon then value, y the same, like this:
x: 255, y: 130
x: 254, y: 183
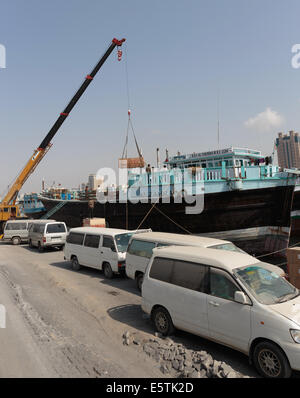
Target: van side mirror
x: 240, y: 297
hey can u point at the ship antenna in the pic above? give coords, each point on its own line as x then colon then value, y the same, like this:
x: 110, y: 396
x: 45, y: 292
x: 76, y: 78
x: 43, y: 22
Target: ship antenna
x: 218, y: 116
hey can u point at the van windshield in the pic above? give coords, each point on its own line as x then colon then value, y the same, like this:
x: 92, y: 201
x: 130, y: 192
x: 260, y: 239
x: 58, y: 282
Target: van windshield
x: 267, y: 286
x: 122, y: 241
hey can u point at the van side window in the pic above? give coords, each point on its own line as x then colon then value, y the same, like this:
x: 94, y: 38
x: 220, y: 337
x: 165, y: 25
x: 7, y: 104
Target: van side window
x: 161, y: 269
x: 92, y: 241
x: 190, y: 275
x: 141, y: 248
x: 221, y: 285
x: 35, y: 228
x: 109, y: 243
x: 15, y: 226
x: 163, y: 244
x: 75, y: 239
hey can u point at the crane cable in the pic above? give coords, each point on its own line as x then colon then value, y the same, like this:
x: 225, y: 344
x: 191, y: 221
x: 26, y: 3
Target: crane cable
x: 124, y: 153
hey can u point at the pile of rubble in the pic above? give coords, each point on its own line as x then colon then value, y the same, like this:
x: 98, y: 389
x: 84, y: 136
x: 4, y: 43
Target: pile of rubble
x: 175, y: 359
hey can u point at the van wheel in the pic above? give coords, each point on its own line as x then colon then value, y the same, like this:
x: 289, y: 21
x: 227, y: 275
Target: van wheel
x: 162, y: 321
x: 75, y: 264
x: 108, y: 273
x: 139, y: 281
x: 270, y: 361
x: 16, y: 240
x: 40, y: 248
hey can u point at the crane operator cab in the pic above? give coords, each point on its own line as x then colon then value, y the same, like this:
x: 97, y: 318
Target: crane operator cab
x: 8, y: 212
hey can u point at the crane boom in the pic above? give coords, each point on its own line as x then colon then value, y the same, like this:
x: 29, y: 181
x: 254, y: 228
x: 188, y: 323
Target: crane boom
x: 7, y: 206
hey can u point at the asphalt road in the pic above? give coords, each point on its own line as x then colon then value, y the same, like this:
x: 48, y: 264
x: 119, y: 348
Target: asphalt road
x: 65, y: 323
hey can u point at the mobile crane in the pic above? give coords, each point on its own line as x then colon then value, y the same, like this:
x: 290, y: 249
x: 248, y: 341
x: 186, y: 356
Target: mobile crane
x: 8, y: 207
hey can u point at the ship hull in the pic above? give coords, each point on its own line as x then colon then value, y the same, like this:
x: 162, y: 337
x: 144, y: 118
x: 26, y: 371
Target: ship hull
x: 257, y: 220
x: 295, y: 214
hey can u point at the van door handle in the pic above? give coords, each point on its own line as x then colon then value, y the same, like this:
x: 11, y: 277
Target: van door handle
x: 214, y: 303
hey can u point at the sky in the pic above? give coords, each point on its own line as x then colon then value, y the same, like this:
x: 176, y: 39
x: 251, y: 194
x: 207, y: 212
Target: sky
x: 189, y: 63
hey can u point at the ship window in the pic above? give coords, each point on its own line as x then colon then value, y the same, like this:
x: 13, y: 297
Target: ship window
x: 75, y: 239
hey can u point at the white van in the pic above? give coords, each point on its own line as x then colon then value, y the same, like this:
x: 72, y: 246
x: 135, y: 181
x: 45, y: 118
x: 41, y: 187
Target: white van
x: 16, y: 231
x: 47, y: 233
x: 101, y: 248
x: 227, y: 297
x: 140, y: 249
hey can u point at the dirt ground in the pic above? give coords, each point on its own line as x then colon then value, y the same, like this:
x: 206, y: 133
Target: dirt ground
x: 65, y: 323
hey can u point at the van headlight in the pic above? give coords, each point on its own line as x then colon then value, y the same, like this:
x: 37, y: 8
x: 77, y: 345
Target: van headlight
x: 295, y: 333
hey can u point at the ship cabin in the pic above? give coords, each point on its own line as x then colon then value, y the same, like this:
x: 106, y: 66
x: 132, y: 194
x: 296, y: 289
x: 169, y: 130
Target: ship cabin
x: 222, y: 169
x: 232, y: 157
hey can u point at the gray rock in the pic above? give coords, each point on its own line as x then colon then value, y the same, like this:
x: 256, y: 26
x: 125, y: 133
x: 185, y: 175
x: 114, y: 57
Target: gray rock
x: 126, y: 341
x: 181, y: 366
x: 164, y: 369
x: 189, y: 369
x: 225, y: 369
x: 156, y: 356
x: 136, y: 342
x: 195, y: 374
x: 148, y: 349
x: 216, y: 367
x: 175, y: 364
x: 203, y: 374
x: 157, y: 334
x: 207, y: 363
x: 188, y: 364
x: 232, y: 375
x: 126, y: 334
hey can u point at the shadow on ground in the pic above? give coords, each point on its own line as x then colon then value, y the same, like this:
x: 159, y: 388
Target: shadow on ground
x: 118, y: 281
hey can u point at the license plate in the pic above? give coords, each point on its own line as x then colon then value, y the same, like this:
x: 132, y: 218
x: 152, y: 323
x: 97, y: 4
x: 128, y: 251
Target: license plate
x: 56, y: 238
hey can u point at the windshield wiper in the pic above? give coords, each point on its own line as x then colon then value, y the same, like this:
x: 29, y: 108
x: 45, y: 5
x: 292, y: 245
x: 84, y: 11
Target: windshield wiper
x: 284, y: 297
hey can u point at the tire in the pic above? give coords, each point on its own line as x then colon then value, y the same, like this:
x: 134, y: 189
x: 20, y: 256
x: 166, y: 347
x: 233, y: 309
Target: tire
x: 270, y: 361
x: 162, y: 321
x: 75, y: 264
x: 139, y: 281
x: 40, y: 248
x: 16, y: 240
x: 108, y: 273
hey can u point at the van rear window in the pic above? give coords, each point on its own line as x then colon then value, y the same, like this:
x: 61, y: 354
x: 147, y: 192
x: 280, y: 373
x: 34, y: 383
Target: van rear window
x: 75, y: 238
x: 55, y: 228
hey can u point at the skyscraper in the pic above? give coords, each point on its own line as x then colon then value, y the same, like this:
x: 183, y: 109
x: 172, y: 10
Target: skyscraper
x: 288, y: 150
